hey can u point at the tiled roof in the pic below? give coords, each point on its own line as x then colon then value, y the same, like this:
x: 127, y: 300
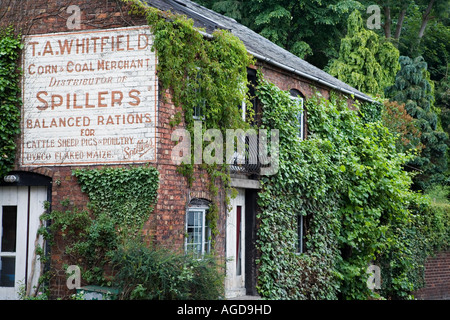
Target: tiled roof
x: 260, y: 47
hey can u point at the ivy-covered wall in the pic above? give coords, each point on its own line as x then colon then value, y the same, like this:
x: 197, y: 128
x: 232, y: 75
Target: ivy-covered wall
x: 348, y: 182
x: 72, y: 189
x: 346, y: 179
x: 10, y: 48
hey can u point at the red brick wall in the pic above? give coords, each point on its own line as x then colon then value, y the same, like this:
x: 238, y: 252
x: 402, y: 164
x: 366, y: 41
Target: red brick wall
x: 41, y: 16
x: 167, y: 224
x: 287, y: 81
x: 437, y: 278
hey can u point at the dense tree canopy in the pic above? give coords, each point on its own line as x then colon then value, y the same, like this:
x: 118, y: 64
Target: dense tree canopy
x: 319, y: 32
x: 365, y: 61
x: 313, y: 29
x: 294, y: 25
x: 413, y: 88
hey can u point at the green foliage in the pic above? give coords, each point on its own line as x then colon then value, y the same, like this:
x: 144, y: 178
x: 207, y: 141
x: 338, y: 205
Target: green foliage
x: 348, y: 181
x: 294, y: 25
x: 40, y: 295
x: 126, y: 196
x: 434, y: 45
x: 365, y: 61
x: 121, y: 200
x: 10, y: 47
x: 88, y: 239
x: 413, y: 88
x: 152, y: 273
x: 370, y: 111
x: 405, y: 127
x: 425, y: 233
x: 207, y: 75
x: 440, y: 218
x: 443, y: 103
x: 103, y: 241
x: 284, y: 274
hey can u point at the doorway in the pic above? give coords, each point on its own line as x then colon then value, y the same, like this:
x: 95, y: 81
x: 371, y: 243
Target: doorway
x: 235, y: 244
x: 20, y: 210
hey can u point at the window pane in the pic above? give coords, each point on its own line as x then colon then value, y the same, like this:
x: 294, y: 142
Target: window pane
x: 194, y: 232
x: 7, y: 271
x: 238, y: 240
x: 300, y: 125
x: 207, y: 248
x: 9, y: 225
x: 299, y: 233
x: 198, y: 111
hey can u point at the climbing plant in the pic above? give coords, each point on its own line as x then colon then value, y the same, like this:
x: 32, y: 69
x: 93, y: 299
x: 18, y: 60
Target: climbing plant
x: 10, y: 47
x: 125, y: 196
x: 120, y: 202
x: 348, y: 182
x: 207, y: 78
x: 303, y: 185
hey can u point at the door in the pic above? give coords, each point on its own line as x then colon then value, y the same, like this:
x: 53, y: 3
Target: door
x: 20, y: 209
x: 235, y: 277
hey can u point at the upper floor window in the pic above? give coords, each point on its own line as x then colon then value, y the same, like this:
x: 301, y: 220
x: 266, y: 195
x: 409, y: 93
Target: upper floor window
x: 198, y: 110
x: 298, y: 97
x: 252, y: 82
x: 200, y: 103
x: 299, y: 245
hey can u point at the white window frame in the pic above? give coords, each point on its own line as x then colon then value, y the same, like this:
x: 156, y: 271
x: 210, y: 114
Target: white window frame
x: 300, y: 118
x: 244, y: 110
x: 300, y: 233
x: 205, y: 242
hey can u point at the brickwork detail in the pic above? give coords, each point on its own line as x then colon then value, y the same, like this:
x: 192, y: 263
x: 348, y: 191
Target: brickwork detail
x: 437, y: 278
x: 167, y: 224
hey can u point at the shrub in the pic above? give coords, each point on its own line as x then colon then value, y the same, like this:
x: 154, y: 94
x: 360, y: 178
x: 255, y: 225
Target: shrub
x: 152, y: 273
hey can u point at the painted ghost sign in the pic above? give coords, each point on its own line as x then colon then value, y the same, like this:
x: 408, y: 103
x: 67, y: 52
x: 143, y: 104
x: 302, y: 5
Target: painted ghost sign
x: 89, y: 97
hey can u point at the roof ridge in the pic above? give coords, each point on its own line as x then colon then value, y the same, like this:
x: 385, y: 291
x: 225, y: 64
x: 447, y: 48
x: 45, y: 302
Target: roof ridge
x: 259, y: 46
x: 195, y: 4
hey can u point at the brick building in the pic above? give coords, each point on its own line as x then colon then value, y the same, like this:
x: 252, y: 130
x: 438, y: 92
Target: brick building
x: 437, y: 278
x: 94, y: 74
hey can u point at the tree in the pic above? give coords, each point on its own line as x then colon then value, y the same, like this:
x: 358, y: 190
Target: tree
x: 365, y: 61
x: 391, y: 9
x: 414, y: 88
x: 443, y: 97
x: 310, y: 29
x: 396, y: 12
x: 400, y: 123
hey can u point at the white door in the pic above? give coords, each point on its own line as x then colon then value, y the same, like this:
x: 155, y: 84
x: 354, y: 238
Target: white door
x: 20, y: 209
x: 235, y: 276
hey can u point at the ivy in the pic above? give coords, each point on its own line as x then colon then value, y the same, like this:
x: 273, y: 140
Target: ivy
x: 208, y: 75
x: 126, y: 196
x: 302, y: 185
x: 10, y: 47
x: 348, y: 182
x: 121, y: 201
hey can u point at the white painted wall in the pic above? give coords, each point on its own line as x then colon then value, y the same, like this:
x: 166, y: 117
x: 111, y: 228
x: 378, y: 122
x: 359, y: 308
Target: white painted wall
x: 29, y: 208
x: 235, y: 284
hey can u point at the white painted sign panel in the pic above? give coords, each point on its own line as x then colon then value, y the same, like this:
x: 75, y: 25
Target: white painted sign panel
x: 89, y: 98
